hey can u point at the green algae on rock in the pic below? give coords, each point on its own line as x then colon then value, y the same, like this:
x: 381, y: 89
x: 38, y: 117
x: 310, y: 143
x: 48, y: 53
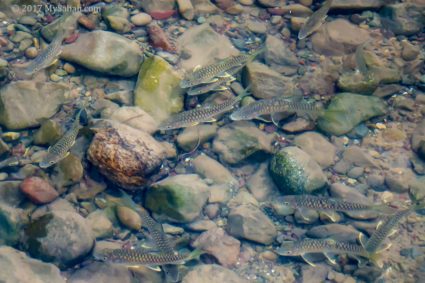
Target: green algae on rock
x: 295, y: 172
x: 105, y: 52
x: 347, y: 110
x: 178, y: 198
x: 157, y: 89
x: 24, y: 103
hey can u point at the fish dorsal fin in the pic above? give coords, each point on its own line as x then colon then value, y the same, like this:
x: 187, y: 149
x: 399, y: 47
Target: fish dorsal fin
x: 307, y: 258
x: 262, y: 119
x: 273, y: 117
x: 298, y: 96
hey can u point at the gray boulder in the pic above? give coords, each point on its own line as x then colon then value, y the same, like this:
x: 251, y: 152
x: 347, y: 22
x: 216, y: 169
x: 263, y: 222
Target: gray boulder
x: 24, y: 103
x: 105, y: 52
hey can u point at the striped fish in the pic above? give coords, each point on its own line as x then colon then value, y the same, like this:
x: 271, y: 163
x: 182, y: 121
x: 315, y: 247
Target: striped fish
x: 60, y: 150
x: 272, y: 106
x: 208, y: 74
x: 219, y: 85
x: 47, y: 57
x: 325, y: 246
x: 199, y: 115
x: 315, y: 21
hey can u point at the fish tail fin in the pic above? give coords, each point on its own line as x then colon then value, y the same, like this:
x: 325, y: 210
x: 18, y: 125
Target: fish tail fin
x: 195, y: 254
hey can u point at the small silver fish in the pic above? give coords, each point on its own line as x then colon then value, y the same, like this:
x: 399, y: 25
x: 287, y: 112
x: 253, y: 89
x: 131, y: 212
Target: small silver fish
x: 219, y: 85
x: 199, y: 115
x: 208, y: 74
x: 272, y: 106
x: 326, y: 246
x: 60, y: 150
x: 315, y: 21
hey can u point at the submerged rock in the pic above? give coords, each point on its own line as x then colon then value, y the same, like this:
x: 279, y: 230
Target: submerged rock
x: 11, y: 223
x: 347, y: 110
x: 67, y: 22
x: 260, y: 184
x: 100, y: 224
x: 134, y: 117
x: 178, y: 198
x: 267, y: 83
x: 101, y: 272
x: 157, y: 5
x: 338, y: 38
x: 404, y: 18
x: 24, y: 103
x: 38, y: 190
x: 201, y: 45
x: 17, y: 267
x: 295, y: 172
x: 60, y: 236
x: 222, y: 246
x: 239, y: 140
x: 279, y: 57
x: 211, y: 169
x: 105, y: 52
x: 335, y: 231
x: 49, y: 133
x: 318, y: 147
x: 117, y: 18
x: 157, y: 90
x: 68, y: 171
x: 189, y: 138
x: 126, y: 156
x: 248, y: 222
x: 211, y: 273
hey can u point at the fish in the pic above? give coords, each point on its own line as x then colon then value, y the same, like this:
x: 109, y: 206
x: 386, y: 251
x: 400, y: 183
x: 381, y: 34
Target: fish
x: 60, y: 150
x: 360, y: 61
x: 219, y: 85
x: 315, y: 21
x: 47, y: 57
x: 155, y: 229
x: 273, y: 106
x: 326, y: 204
x: 385, y: 229
x: 199, y: 115
x: 139, y: 256
x: 209, y: 73
x: 328, y: 247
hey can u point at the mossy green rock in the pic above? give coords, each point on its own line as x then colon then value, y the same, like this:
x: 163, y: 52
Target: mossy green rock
x: 356, y: 82
x: 239, y: 140
x: 295, y: 172
x: 11, y: 221
x: 24, y: 103
x: 49, y: 133
x: 347, y: 110
x: 157, y: 89
x: 178, y: 198
x: 105, y: 52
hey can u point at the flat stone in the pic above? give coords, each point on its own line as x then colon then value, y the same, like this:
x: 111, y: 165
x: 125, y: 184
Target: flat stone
x: 211, y: 169
x: 318, y: 147
x: 335, y: 231
x: 248, y: 222
x: 189, y: 138
x: 105, y: 52
x: 25, y: 103
x: 211, y: 273
x: 219, y: 244
x: 102, y: 272
x: 20, y: 268
x: 260, y: 184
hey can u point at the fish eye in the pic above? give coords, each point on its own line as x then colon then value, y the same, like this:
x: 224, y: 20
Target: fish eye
x: 51, y: 162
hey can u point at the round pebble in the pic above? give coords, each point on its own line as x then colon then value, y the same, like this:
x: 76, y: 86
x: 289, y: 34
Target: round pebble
x: 69, y: 68
x: 129, y: 218
x: 3, y: 176
x: 246, y: 2
x: 141, y: 19
x: 27, y: 20
x: 306, y: 2
x: 201, y: 20
x: 61, y: 72
x: 31, y: 52
x: 269, y: 255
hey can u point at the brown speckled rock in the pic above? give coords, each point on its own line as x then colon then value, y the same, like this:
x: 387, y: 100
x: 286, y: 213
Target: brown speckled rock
x: 125, y: 155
